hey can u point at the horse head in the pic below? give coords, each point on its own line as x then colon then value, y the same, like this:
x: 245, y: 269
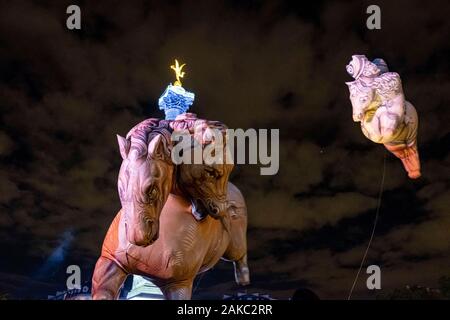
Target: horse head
x: 206, y: 183
x: 144, y: 182
x: 361, y: 97
x: 361, y: 91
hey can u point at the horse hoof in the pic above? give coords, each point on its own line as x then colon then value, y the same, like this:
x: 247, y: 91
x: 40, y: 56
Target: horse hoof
x: 243, y: 277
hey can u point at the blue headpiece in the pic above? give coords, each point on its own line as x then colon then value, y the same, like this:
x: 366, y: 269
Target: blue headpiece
x: 176, y: 100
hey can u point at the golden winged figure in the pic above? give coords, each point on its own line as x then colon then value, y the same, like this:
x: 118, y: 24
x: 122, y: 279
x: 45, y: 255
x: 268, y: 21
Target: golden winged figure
x: 178, y: 72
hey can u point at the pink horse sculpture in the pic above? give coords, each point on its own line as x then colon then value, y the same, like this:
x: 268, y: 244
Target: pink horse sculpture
x: 175, y: 221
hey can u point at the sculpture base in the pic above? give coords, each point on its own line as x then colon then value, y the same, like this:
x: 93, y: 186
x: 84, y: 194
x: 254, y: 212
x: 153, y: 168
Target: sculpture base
x: 409, y: 156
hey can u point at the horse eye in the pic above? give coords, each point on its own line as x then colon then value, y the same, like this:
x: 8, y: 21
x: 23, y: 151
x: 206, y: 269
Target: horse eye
x: 211, y: 173
x: 152, y: 194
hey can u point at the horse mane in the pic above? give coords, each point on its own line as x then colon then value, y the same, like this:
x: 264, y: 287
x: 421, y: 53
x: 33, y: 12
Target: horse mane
x: 197, y: 127
x: 142, y: 133
x: 192, y: 124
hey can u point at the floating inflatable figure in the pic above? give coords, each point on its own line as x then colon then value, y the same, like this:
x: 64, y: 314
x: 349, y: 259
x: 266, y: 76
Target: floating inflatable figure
x: 379, y: 105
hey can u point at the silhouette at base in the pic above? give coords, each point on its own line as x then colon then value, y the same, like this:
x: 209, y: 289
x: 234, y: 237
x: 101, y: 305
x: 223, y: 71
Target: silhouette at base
x: 304, y: 294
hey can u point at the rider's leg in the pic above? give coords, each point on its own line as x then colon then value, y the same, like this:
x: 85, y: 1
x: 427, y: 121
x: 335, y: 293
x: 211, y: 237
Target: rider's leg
x: 406, y: 148
x: 409, y: 157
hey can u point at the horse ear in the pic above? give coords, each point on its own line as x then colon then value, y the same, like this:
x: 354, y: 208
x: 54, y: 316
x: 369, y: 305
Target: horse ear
x: 124, y: 146
x: 158, y: 148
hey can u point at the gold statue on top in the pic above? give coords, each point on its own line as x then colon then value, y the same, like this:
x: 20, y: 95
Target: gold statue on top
x: 178, y: 72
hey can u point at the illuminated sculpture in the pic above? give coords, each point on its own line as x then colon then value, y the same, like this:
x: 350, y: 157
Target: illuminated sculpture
x: 386, y: 117
x: 176, y: 100
x: 175, y: 221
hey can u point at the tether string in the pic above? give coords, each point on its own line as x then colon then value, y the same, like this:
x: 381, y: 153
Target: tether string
x: 380, y: 195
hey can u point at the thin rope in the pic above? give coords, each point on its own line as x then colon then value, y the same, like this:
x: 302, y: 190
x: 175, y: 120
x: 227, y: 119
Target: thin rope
x: 380, y: 195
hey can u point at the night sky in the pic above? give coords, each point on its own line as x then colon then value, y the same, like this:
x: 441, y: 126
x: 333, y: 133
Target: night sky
x: 252, y: 64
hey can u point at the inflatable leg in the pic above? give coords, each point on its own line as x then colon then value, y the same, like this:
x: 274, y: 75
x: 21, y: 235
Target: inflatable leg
x: 409, y: 156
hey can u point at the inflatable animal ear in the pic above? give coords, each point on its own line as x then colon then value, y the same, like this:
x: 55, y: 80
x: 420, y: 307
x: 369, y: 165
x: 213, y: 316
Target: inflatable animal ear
x: 159, y: 148
x: 124, y: 146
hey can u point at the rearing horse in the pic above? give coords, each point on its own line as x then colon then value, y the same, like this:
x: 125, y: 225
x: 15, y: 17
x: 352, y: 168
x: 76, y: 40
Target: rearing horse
x: 156, y: 233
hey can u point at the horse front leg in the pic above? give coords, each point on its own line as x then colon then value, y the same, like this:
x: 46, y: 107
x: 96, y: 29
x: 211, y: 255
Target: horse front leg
x: 238, y: 255
x: 180, y: 290
x: 241, y: 271
x: 107, y: 280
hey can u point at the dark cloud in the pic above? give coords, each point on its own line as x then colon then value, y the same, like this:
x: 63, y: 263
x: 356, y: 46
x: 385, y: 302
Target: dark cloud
x: 65, y: 94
